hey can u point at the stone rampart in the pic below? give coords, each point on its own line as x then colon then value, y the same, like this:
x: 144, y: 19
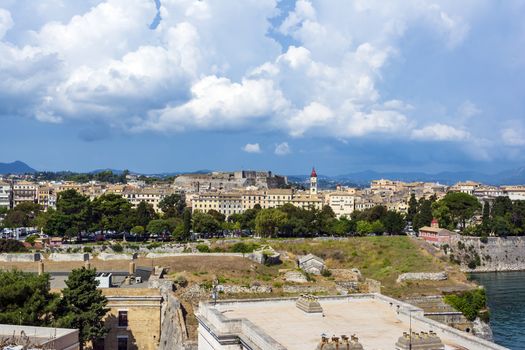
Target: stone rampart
x: 495, y: 254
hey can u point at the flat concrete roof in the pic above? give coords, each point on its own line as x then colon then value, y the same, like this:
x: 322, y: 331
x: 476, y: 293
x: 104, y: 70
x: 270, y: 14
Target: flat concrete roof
x: 375, y: 322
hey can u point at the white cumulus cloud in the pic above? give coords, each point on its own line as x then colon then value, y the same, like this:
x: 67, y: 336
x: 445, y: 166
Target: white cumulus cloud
x: 252, y: 148
x: 282, y: 149
x: 440, y: 132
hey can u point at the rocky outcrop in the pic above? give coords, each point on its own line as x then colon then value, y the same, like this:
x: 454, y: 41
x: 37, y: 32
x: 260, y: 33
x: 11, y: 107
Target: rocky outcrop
x: 422, y: 276
x: 295, y: 277
x: 489, y: 255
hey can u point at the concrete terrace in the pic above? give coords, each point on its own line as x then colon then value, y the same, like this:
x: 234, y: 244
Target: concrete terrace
x: 377, y: 321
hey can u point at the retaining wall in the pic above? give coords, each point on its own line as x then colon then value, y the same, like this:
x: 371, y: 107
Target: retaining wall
x: 68, y: 257
x: 20, y: 257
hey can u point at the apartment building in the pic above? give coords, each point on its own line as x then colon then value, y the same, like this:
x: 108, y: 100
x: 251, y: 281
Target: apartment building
x: 6, y: 193
x: 47, y: 197
x: 224, y: 203
x: 25, y: 191
x: 342, y: 203
x: 150, y: 195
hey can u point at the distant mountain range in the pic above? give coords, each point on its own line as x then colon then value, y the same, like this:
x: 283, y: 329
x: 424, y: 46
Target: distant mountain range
x: 508, y: 177
x: 362, y: 178
x: 16, y: 167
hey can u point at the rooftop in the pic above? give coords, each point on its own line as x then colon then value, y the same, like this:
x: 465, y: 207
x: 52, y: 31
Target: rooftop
x: 377, y: 321
x: 39, y: 337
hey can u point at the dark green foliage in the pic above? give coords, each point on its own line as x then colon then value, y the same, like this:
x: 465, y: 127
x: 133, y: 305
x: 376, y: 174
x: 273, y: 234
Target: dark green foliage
x: 424, y: 214
x: 25, y: 299
x: 144, y: 213
x: 412, y: 208
x: 186, y: 222
x: 11, y: 246
x: 242, y: 247
x: 172, y: 205
x: 471, y: 304
x: 501, y: 207
x: 203, y: 248
x: 117, y: 248
x: 23, y: 215
x: 205, y: 223
x: 83, y: 306
x: 393, y: 222
x: 462, y: 206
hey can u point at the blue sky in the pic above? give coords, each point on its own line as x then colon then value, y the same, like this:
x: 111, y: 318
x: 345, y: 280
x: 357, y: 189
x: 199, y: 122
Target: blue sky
x: 180, y: 85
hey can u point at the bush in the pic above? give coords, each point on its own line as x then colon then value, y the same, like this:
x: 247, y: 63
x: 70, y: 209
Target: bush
x: 181, y: 281
x: 472, y: 264
x: 31, y: 239
x: 203, y: 248
x: 11, y: 246
x: 470, y: 303
x: 242, y: 247
x: 153, y: 245
x: 326, y: 273
x: 117, y: 248
x: 88, y: 250
x: 484, y: 239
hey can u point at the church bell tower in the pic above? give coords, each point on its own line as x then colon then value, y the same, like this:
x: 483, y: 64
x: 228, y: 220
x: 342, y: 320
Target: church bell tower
x: 313, y: 182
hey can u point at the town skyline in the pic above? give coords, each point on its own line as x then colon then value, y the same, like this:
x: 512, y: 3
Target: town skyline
x: 408, y: 87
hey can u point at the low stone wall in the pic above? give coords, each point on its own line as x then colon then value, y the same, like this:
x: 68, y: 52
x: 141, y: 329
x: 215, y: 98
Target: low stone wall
x: 20, y: 257
x: 304, y: 289
x: 232, y: 289
x: 422, y: 276
x: 115, y: 256
x: 68, y: 257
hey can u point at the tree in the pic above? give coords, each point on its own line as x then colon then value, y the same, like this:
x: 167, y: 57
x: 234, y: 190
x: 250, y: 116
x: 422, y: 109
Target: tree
x: 112, y: 212
x: 83, y: 306
x: 364, y: 227
x: 216, y: 215
x: 137, y: 230
x: 158, y: 227
x: 205, y: 223
x: 186, y: 222
x: 412, y: 207
x: 502, y: 206
x: 393, y: 222
x: 442, y: 214
x: 268, y: 221
x: 462, y: 206
x: 343, y: 226
x: 23, y: 215
x: 325, y: 219
x: 172, y: 205
x: 144, y: 213
x: 72, y: 216
x: 424, y: 215
x: 25, y: 299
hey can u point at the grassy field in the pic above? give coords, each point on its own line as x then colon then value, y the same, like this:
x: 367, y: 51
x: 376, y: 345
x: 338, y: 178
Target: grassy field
x: 383, y: 259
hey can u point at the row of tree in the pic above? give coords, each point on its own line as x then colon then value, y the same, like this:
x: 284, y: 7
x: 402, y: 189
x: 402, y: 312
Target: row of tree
x: 291, y: 221
x: 25, y: 298
x: 76, y: 213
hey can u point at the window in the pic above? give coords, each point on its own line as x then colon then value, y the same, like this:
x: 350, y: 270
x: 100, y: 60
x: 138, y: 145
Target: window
x: 122, y: 343
x: 122, y: 318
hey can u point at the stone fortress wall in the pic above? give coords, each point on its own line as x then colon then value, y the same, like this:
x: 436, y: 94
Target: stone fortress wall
x: 496, y: 254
